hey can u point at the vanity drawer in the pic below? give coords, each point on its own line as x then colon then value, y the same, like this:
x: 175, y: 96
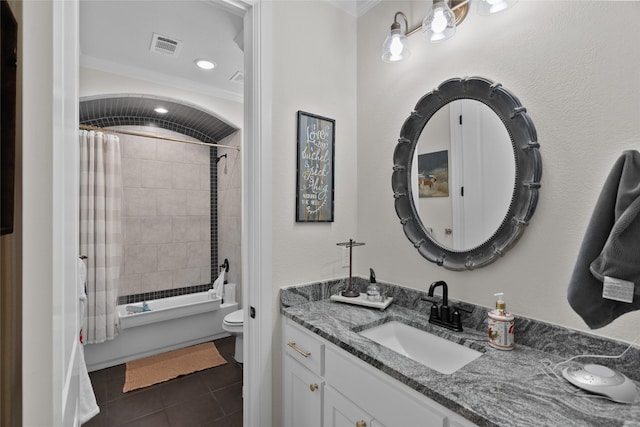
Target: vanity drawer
x: 303, y: 347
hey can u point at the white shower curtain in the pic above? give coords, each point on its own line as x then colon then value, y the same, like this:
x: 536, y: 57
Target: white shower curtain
x: 101, y: 230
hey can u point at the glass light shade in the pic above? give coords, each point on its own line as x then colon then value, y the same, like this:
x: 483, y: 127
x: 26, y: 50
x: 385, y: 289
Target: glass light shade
x: 395, y: 47
x: 489, y: 7
x: 440, y: 24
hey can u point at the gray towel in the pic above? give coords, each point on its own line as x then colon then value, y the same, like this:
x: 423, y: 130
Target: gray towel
x: 611, y: 246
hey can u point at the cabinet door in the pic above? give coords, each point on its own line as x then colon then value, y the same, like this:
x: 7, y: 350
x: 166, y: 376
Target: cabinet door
x: 303, y: 396
x: 339, y: 411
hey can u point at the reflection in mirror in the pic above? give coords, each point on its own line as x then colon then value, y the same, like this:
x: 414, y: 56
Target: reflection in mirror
x: 479, y: 180
x: 463, y: 174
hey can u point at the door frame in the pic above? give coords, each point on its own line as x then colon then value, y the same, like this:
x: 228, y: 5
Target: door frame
x: 257, y: 217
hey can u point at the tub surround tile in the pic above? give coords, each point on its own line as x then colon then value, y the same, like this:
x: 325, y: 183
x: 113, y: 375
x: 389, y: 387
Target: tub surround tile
x: 155, y: 174
x: 163, y: 293
x: 198, y: 202
x: 169, y: 151
x: 205, y: 177
x: 196, y: 154
x: 157, y: 280
x: 139, y: 201
x: 155, y: 229
x: 499, y: 388
x: 132, y: 234
x: 186, y: 176
x: 205, y: 228
x: 130, y: 284
x: 138, y: 148
x: 140, y: 259
x: 205, y: 274
x: 198, y: 254
x: 172, y: 256
x: 170, y: 188
x: 187, y: 228
x: 186, y: 277
x: 130, y: 172
x: 172, y: 202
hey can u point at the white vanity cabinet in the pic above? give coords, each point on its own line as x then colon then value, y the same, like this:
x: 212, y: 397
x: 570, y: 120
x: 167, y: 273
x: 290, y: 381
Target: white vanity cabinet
x: 350, y: 392
x: 339, y: 411
x: 303, y: 395
x: 303, y: 383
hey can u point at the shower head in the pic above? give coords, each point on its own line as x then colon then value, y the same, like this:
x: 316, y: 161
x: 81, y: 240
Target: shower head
x: 218, y: 159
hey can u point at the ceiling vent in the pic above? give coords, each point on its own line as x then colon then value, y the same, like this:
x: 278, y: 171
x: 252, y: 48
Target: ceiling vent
x: 238, y: 77
x: 165, y: 45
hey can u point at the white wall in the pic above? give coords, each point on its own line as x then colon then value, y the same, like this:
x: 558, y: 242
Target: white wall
x: 576, y: 71
x: 37, y: 215
x: 314, y: 70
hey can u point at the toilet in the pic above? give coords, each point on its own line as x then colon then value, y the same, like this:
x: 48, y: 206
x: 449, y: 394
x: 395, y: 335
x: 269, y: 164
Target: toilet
x: 233, y: 323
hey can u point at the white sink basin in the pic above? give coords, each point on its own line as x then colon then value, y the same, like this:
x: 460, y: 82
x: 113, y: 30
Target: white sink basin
x: 432, y: 351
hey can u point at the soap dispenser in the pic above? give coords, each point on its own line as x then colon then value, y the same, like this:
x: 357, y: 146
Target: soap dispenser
x: 373, y: 291
x: 501, y: 326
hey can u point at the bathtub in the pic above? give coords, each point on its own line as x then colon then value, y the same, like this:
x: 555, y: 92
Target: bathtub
x: 171, y: 323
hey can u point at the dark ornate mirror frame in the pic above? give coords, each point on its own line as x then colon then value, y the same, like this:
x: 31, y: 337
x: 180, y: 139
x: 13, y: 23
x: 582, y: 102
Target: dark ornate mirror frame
x: 528, y: 172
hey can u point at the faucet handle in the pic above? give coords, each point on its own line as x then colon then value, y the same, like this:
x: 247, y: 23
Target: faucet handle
x: 456, y: 321
x: 435, y: 313
x: 430, y: 299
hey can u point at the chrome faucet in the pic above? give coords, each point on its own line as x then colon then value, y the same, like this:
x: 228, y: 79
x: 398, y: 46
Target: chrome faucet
x: 441, y: 316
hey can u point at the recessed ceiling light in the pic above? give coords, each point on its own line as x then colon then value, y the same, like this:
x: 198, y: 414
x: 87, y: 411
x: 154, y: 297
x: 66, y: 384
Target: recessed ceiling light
x: 161, y: 110
x: 205, y: 64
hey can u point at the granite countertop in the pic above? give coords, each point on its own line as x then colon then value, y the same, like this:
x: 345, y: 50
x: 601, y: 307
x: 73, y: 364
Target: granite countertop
x: 500, y: 388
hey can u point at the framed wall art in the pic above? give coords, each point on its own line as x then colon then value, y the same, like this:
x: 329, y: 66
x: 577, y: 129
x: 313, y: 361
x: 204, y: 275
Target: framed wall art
x: 314, y: 171
x: 433, y: 174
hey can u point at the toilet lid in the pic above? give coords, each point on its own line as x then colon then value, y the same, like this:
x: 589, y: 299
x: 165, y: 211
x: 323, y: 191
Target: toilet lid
x: 235, y: 317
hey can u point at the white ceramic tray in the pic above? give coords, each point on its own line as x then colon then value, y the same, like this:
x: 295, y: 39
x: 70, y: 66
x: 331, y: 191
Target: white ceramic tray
x: 362, y: 300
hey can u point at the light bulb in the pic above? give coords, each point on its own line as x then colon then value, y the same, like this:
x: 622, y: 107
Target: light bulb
x: 489, y: 7
x: 394, y: 47
x: 497, y: 5
x: 439, y: 22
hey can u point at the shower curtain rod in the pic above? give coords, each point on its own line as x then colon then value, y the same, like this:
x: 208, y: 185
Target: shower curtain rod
x: 146, y: 135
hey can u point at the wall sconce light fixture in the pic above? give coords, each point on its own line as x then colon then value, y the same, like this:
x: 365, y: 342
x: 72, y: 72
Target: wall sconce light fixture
x: 439, y: 25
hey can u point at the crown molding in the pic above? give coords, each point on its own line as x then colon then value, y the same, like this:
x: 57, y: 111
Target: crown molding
x: 236, y: 7
x: 355, y: 8
x: 91, y: 62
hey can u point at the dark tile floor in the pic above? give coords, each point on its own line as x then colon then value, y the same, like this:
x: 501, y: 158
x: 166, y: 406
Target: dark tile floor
x: 211, y: 398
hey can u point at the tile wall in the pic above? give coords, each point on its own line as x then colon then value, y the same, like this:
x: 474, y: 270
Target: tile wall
x: 167, y: 213
x: 229, y: 202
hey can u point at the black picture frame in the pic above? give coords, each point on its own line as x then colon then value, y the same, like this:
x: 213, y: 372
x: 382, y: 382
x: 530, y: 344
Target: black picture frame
x: 315, y: 168
x: 8, y: 93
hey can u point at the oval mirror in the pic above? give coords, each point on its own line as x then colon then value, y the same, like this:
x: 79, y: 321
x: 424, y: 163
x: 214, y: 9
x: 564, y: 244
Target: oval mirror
x: 467, y: 171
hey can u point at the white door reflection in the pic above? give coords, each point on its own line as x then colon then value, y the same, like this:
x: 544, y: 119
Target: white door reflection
x: 470, y: 199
